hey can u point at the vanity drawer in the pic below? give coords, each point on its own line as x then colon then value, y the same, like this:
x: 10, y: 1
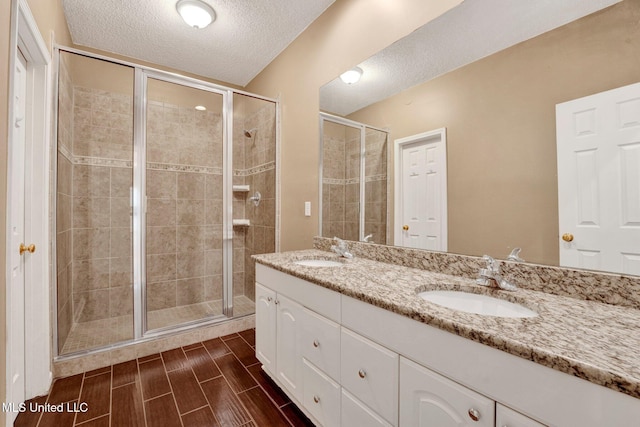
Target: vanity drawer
x: 370, y: 372
x: 321, y: 396
x: 321, y: 343
x: 356, y: 413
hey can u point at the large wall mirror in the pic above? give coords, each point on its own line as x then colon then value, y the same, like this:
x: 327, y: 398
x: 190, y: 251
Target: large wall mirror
x: 493, y: 82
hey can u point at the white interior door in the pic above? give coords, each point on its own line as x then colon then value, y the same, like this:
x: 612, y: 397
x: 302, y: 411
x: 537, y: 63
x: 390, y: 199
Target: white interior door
x: 15, y: 297
x: 421, y: 191
x: 598, y: 139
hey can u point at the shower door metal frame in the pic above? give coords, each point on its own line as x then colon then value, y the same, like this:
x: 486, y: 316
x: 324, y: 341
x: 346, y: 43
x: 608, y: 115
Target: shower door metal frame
x: 140, y: 145
x: 141, y: 73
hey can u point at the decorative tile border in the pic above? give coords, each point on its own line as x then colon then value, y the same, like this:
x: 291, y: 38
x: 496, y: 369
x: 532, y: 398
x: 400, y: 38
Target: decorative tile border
x: 184, y: 168
x: 337, y: 181
x: 100, y: 161
x: 255, y: 170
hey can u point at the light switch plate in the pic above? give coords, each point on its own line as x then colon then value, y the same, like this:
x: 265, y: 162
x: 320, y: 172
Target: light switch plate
x: 307, y: 208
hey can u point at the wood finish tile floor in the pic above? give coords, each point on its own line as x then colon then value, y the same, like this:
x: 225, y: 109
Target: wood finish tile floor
x: 214, y: 383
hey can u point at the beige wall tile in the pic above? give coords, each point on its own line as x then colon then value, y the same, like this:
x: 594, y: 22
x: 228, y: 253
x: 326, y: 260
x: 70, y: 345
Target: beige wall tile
x: 90, y: 212
x: 161, y: 295
x: 91, y: 181
x: 90, y: 274
x: 161, y: 212
x: 90, y: 243
x: 161, y: 240
x: 161, y: 267
x: 190, y: 264
x: 189, y: 291
x: 120, y: 301
x: 191, y: 186
x: 161, y: 184
x: 121, y: 272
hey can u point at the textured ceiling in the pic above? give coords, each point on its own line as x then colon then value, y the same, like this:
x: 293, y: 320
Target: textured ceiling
x: 245, y: 37
x: 473, y: 30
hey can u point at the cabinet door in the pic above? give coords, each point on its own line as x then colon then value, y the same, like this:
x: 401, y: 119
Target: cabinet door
x: 289, y: 357
x: 507, y: 417
x: 266, y: 327
x: 428, y: 399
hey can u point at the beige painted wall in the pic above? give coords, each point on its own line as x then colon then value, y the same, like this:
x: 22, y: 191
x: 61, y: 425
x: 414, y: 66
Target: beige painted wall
x: 346, y: 34
x: 500, y: 118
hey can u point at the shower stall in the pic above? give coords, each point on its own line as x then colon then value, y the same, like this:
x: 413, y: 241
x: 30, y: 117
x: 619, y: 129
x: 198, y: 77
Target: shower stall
x: 353, y: 180
x: 164, y: 188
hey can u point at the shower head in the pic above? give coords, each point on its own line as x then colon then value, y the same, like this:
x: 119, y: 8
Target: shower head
x: 250, y: 133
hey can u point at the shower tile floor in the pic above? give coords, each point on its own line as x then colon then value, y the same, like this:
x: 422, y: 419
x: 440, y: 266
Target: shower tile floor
x: 99, y: 333
x: 214, y: 383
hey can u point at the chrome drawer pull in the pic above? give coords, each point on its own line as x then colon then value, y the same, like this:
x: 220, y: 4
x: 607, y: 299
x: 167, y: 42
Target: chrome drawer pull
x: 474, y: 414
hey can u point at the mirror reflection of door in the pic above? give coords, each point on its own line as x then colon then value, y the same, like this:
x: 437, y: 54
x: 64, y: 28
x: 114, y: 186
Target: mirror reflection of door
x: 421, y: 191
x: 598, y: 140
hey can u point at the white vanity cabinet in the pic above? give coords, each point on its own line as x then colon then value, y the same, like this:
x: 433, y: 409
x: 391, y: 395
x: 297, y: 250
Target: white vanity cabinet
x: 348, y: 363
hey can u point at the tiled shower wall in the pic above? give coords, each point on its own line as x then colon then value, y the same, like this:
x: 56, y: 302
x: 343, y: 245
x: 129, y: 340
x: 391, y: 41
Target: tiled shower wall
x: 184, y: 211
x: 93, y: 242
x: 341, y: 185
x: 256, y: 168
x: 102, y: 178
x: 375, y: 214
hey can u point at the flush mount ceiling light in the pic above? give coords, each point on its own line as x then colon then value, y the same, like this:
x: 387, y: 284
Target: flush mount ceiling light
x: 201, y: 108
x: 352, y: 76
x: 196, y: 13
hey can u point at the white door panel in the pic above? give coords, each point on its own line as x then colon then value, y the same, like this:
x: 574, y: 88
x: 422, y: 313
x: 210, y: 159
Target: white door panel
x: 15, y: 297
x: 598, y: 141
x: 421, y: 191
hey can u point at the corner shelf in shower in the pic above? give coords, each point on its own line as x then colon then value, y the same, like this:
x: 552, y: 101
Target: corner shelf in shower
x: 241, y: 223
x: 241, y: 188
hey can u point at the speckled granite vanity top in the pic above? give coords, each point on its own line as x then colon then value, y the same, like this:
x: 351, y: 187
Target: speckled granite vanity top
x: 591, y: 340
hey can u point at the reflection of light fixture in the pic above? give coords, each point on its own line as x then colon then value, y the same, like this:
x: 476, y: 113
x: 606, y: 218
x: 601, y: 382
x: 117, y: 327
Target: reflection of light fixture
x: 351, y: 76
x: 196, y: 13
x: 201, y: 108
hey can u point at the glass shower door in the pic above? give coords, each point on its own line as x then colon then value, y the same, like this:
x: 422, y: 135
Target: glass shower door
x: 184, y: 216
x: 93, y: 257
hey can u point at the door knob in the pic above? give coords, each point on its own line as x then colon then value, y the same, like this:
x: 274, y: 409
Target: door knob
x: 405, y: 227
x: 567, y: 237
x: 31, y: 248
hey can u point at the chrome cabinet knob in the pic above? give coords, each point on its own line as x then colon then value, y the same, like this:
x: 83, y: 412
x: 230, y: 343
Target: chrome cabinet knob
x: 316, y: 399
x: 474, y: 414
x: 316, y: 344
x: 362, y: 373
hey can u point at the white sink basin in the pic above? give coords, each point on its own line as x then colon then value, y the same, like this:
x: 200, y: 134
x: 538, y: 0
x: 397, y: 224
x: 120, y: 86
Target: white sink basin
x: 477, y: 304
x: 318, y: 263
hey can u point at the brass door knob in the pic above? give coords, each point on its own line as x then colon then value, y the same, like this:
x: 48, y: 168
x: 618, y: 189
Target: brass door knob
x: 567, y: 237
x: 405, y: 227
x: 31, y: 248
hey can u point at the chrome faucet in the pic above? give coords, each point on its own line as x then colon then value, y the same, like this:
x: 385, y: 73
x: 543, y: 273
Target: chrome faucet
x: 490, y: 276
x: 367, y: 237
x: 341, y: 248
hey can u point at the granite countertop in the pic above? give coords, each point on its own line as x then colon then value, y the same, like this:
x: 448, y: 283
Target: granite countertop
x: 591, y: 340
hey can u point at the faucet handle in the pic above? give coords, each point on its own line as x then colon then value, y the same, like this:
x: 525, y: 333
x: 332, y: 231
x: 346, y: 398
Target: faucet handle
x: 492, y: 266
x: 515, y: 255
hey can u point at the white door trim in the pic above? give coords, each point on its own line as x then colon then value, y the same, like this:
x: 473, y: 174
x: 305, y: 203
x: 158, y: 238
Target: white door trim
x: 398, y: 144
x: 26, y: 36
